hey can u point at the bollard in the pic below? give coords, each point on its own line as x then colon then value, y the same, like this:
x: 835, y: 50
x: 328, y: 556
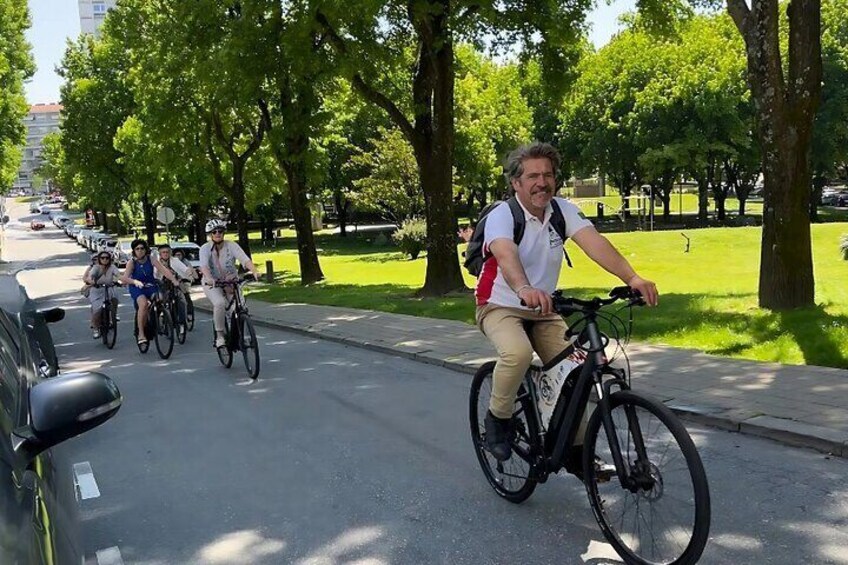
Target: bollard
x: 269, y: 271
x: 600, y: 210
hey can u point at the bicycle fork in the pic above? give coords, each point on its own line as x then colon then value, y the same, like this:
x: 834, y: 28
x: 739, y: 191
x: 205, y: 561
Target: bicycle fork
x: 642, y: 478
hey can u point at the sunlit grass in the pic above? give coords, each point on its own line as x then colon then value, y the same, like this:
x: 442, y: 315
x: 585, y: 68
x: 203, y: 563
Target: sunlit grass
x: 708, y: 295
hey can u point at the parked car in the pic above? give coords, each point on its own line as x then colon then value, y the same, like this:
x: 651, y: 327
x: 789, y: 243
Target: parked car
x: 191, y: 255
x: 72, y: 230
x: 107, y: 244
x: 35, y: 207
x: 35, y: 225
x: 94, y: 240
x: 842, y: 200
x: 39, y: 510
x: 122, y: 253
x: 61, y: 221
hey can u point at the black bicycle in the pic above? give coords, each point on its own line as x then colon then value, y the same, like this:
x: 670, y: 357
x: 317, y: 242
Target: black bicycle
x: 108, y: 315
x: 189, y: 311
x: 645, y: 480
x: 179, y: 315
x: 239, y: 334
x: 159, y: 324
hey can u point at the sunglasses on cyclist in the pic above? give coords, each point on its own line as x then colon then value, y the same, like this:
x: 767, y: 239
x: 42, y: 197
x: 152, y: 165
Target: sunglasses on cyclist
x: 143, y: 248
x: 216, y: 232
x: 106, y: 257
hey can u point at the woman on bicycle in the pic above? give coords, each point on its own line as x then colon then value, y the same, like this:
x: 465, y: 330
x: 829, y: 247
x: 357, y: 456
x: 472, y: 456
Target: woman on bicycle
x: 176, y: 266
x: 140, y: 273
x: 218, y: 264
x: 102, y: 273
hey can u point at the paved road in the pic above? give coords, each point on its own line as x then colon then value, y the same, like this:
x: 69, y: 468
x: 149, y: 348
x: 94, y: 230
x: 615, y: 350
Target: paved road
x: 342, y: 455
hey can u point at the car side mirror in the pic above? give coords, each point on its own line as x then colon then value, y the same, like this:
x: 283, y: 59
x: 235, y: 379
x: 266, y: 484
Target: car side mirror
x: 53, y: 315
x: 64, y: 407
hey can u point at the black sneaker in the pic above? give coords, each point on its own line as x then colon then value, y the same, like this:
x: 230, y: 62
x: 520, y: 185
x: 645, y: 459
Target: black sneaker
x: 498, y: 432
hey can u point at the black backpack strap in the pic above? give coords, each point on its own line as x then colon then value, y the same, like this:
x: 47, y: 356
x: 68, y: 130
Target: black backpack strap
x: 558, y: 223
x: 518, y: 219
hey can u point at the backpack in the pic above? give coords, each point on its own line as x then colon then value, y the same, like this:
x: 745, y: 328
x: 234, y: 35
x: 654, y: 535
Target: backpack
x: 473, y: 254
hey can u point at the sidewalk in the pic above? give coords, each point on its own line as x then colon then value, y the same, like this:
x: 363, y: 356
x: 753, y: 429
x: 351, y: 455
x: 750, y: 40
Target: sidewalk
x: 798, y: 405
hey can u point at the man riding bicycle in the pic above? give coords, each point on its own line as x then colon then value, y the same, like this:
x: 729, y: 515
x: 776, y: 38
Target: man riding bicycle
x: 185, y: 273
x: 514, y: 287
x: 218, y: 264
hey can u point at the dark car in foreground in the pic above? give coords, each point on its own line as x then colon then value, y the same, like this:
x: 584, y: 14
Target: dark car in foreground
x: 38, y: 504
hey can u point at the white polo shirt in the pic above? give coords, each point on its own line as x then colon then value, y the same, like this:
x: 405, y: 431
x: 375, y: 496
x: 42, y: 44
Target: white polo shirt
x: 540, y: 251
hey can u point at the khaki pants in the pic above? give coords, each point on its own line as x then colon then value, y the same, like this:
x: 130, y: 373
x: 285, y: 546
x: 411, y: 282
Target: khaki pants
x: 505, y: 329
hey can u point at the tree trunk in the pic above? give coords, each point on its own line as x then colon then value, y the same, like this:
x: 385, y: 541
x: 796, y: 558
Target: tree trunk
x: 199, y: 215
x: 149, y: 218
x: 341, y: 211
x: 742, y: 202
x: 238, y: 210
x: 307, y: 254
x: 818, y: 187
x: 703, y: 199
x: 785, y: 110
x: 433, y: 91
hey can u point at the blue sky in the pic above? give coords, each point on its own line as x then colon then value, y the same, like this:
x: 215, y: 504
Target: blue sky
x: 55, y: 20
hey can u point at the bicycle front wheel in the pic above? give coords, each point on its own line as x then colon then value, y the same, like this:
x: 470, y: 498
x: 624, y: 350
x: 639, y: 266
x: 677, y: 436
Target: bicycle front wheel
x: 249, y: 346
x: 514, y: 478
x: 665, y: 518
x: 164, y: 332
x: 109, y: 326
x: 225, y: 354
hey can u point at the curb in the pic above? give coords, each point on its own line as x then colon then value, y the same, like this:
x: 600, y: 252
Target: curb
x: 784, y: 431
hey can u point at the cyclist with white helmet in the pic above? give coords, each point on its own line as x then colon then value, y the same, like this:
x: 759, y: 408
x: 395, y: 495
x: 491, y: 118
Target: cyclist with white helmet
x: 218, y: 264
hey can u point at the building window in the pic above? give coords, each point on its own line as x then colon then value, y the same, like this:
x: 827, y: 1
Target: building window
x: 99, y: 8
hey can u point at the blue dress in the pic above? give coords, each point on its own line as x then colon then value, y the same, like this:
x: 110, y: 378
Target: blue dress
x: 143, y: 272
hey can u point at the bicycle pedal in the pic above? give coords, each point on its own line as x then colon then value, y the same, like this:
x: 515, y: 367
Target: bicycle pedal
x: 604, y: 472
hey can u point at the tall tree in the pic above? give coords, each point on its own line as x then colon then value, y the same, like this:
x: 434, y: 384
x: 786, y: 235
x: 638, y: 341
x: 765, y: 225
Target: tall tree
x: 370, y: 32
x: 16, y: 66
x: 786, y: 92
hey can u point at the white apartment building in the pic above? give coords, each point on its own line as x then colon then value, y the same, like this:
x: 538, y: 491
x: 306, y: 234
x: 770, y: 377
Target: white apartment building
x: 92, y: 13
x: 41, y: 120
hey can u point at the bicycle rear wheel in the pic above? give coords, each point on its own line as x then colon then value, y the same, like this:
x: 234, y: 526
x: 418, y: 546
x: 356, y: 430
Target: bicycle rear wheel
x: 164, y: 332
x: 249, y: 346
x: 179, y: 325
x: 667, y: 519
x: 513, y: 479
x: 189, y: 313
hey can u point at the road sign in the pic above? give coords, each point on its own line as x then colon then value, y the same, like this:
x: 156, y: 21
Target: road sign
x: 165, y: 215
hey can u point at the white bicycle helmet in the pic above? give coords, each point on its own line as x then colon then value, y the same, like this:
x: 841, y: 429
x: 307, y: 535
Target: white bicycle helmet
x: 215, y: 224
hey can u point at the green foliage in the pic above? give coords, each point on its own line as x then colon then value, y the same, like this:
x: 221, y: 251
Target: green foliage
x: 391, y: 186
x: 411, y: 238
x: 492, y: 118
x: 16, y: 66
x: 830, y: 134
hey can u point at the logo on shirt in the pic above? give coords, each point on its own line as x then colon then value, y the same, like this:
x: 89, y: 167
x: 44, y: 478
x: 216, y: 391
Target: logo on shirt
x: 553, y: 238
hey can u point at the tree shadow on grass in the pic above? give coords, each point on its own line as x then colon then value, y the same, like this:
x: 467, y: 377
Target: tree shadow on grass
x: 333, y: 244
x: 821, y: 336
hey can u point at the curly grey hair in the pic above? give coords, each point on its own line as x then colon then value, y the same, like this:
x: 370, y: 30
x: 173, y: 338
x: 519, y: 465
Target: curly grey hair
x: 514, y: 164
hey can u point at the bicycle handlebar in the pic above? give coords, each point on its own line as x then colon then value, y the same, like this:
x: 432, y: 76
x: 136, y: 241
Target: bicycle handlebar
x: 567, y: 305
x: 239, y: 282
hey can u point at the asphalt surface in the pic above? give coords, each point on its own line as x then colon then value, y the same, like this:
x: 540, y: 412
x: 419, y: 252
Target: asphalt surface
x: 343, y: 455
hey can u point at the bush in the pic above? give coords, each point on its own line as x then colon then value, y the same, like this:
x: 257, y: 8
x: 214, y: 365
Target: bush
x: 411, y: 238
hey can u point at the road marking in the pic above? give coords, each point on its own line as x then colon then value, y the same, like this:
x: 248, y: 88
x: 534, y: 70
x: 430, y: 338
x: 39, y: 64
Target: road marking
x: 84, y: 481
x: 109, y: 556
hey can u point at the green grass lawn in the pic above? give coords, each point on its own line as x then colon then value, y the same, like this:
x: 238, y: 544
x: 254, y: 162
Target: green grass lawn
x: 708, y: 296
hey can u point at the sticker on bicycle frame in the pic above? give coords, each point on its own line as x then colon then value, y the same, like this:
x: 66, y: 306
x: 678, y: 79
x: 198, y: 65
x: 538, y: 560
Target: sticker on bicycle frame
x: 549, y: 384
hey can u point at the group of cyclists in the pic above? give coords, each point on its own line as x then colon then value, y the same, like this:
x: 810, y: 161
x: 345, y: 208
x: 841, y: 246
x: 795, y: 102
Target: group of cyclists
x: 146, y: 275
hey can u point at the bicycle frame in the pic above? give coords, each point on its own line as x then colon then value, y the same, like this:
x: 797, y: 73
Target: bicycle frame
x: 565, y: 420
